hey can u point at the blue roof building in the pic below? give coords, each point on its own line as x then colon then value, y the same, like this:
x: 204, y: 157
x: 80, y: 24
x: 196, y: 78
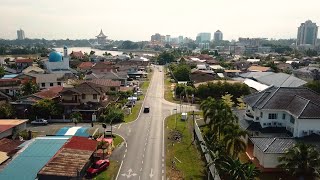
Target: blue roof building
x: 55, y: 57
x: 32, y: 157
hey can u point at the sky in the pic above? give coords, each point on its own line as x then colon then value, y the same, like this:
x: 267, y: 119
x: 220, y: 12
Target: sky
x: 137, y: 20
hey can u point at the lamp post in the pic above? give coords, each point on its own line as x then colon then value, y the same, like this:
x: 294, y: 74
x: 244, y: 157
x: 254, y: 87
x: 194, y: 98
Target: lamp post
x: 175, y: 118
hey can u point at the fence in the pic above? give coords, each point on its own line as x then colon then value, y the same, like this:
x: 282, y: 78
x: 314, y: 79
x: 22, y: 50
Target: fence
x: 213, y: 171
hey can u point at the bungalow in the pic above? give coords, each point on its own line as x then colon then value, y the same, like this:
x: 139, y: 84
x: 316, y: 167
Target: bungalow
x: 259, y: 69
x: 45, y: 81
x: 23, y: 63
x: 296, y: 109
x: 198, y: 76
x: 121, y: 76
x: 85, y: 66
x: 102, y: 67
x: 77, y: 55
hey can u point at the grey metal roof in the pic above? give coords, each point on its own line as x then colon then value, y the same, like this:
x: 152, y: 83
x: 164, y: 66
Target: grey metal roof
x: 301, y: 102
x: 281, y: 80
x: 276, y: 145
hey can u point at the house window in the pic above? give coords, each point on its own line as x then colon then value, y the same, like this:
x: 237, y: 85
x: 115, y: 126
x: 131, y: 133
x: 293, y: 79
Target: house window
x: 43, y: 84
x: 51, y: 84
x: 59, y: 83
x: 112, y: 89
x: 95, y: 96
x: 273, y: 116
x: 83, y: 96
x: 261, y: 114
x: 283, y: 116
x: 292, y: 120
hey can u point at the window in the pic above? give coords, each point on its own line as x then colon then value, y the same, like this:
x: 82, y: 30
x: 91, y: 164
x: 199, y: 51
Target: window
x: 51, y: 84
x: 261, y: 114
x: 59, y: 83
x: 273, y: 116
x: 292, y: 119
x: 112, y: 89
x: 95, y: 96
x: 43, y: 84
x: 283, y: 116
x: 83, y: 96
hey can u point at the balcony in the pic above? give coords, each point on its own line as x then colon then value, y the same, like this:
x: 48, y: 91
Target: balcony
x: 75, y: 102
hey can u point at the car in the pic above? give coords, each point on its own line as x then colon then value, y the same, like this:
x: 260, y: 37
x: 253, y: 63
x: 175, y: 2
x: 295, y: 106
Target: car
x: 146, y: 109
x: 39, y: 122
x: 98, y: 167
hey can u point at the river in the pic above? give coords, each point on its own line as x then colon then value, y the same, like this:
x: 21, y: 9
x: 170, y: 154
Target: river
x: 88, y: 49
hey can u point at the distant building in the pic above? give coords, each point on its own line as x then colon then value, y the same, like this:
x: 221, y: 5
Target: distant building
x: 180, y: 40
x: 168, y: 39
x: 102, y: 39
x: 156, y: 37
x: 20, y: 34
x: 218, y: 36
x: 307, y: 34
x: 203, y: 37
x: 58, y: 62
x: 204, y: 45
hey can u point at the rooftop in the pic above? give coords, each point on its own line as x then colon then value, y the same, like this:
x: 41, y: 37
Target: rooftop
x: 259, y: 69
x: 24, y: 61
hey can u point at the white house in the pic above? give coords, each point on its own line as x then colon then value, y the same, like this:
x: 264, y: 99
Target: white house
x: 297, y: 109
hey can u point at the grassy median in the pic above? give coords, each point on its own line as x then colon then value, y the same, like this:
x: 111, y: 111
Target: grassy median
x: 183, y: 160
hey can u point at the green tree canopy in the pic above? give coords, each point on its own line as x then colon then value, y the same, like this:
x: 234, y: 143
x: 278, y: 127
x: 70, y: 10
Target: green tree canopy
x: 46, y: 108
x: 112, y: 115
x: 2, y: 72
x: 77, y: 116
x: 6, y: 111
x: 29, y: 88
x: 182, y: 72
x: 165, y: 57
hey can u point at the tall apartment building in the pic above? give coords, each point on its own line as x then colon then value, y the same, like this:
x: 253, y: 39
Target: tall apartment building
x: 218, y: 36
x: 307, y: 34
x: 203, y: 37
x: 20, y: 34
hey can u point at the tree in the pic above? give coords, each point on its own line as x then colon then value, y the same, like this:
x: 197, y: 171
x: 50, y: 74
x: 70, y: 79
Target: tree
x: 227, y: 99
x: 182, y: 73
x: 165, y: 57
x: 29, y: 88
x: 234, y: 139
x: 302, y: 160
x: 2, y: 72
x: 241, y: 105
x: 77, y: 116
x: 92, y: 52
x: 46, y: 108
x: 111, y: 115
x: 6, y: 111
x: 314, y: 85
x: 234, y: 169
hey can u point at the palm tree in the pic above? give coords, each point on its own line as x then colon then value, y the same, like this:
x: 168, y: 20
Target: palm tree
x: 302, y: 160
x: 251, y: 171
x: 234, y: 169
x: 234, y: 139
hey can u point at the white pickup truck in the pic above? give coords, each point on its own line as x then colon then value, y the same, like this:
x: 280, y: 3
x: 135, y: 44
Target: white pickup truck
x: 39, y: 122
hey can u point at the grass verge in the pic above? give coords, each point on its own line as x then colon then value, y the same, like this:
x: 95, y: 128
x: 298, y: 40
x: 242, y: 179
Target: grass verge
x: 191, y: 165
x: 117, y: 140
x: 110, y: 173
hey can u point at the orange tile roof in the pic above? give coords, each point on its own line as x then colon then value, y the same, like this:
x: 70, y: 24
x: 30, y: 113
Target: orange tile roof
x: 49, y: 93
x: 259, y: 68
x: 85, y: 65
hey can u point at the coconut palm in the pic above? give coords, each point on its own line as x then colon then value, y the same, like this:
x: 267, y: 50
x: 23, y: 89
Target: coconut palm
x: 234, y: 139
x: 234, y: 169
x: 251, y: 171
x: 302, y: 160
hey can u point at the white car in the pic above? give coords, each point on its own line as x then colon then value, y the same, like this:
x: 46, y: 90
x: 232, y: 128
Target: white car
x: 39, y: 122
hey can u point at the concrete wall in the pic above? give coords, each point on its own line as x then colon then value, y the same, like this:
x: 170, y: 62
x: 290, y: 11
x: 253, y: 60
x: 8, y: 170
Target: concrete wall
x: 266, y: 160
x: 47, y: 84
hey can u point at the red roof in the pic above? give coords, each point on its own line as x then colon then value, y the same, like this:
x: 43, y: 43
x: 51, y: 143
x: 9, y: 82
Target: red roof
x: 8, y: 145
x: 205, y: 56
x: 24, y: 61
x: 10, y: 80
x: 85, y: 65
x: 81, y: 143
x: 49, y: 93
x: 77, y: 54
x: 5, y: 127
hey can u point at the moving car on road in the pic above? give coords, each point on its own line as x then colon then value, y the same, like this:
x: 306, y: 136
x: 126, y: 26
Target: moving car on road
x: 146, y: 109
x: 98, y: 166
x: 39, y: 122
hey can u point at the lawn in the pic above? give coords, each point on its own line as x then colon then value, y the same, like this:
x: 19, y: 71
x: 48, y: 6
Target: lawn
x: 134, y: 113
x: 117, y: 140
x: 191, y: 165
x: 110, y: 173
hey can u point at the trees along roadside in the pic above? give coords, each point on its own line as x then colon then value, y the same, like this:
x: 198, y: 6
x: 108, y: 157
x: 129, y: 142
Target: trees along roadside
x: 46, y: 108
x: 6, y: 111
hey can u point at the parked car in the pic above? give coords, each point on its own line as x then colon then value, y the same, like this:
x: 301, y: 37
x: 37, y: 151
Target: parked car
x: 98, y: 166
x: 146, y: 109
x: 39, y: 122
x: 130, y: 103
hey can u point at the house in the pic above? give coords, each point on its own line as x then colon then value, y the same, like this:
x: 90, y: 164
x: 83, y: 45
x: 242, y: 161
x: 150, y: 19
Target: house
x: 197, y: 76
x: 137, y: 74
x: 121, y: 76
x: 10, y: 87
x: 295, y: 109
x: 284, y: 67
x: 32, y: 157
x: 102, y: 67
x: 242, y: 65
x: 253, y: 60
x: 45, y: 81
x: 71, y: 161
x: 108, y: 85
x: 308, y: 73
x: 8, y: 147
x: 254, y: 68
x: 4, y: 98
x: 33, y: 70
x: 77, y: 55
x: 10, y: 126
x: 85, y: 66
x: 23, y: 63
x: 232, y: 72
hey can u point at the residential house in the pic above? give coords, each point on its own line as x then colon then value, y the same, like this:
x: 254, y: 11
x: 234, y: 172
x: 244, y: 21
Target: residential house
x: 254, y: 68
x: 102, y: 67
x: 45, y: 81
x: 295, y: 109
x: 308, y: 73
x: 4, y: 98
x: 33, y: 70
x: 231, y: 73
x: 85, y: 66
x: 198, y: 76
x: 77, y: 55
x: 242, y: 65
x: 121, y: 76
x: 284, y: 67
x: 10, y: 87
x: 10, y: 126
x: 23, y: 63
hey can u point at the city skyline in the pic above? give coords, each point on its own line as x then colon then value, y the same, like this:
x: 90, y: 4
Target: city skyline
x: 74, y: 20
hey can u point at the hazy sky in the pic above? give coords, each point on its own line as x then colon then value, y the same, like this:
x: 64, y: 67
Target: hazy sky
x: 139, y: 19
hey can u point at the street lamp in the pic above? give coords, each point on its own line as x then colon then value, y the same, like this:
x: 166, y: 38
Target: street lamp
x: 176, y: 117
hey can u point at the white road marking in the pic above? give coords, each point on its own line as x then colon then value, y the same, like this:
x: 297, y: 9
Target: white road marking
x: 162, y: 171
x: 162, y: 165
x: 129, y: 174
x: 140, y: 169
x: 126, y: 150
x: 124, y: 156
x: 145, y: 143
x: 151, y: 174
x: 119, y: 126
x: 142, y: 155
x: 142, y: 162
x: 119, y: 170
